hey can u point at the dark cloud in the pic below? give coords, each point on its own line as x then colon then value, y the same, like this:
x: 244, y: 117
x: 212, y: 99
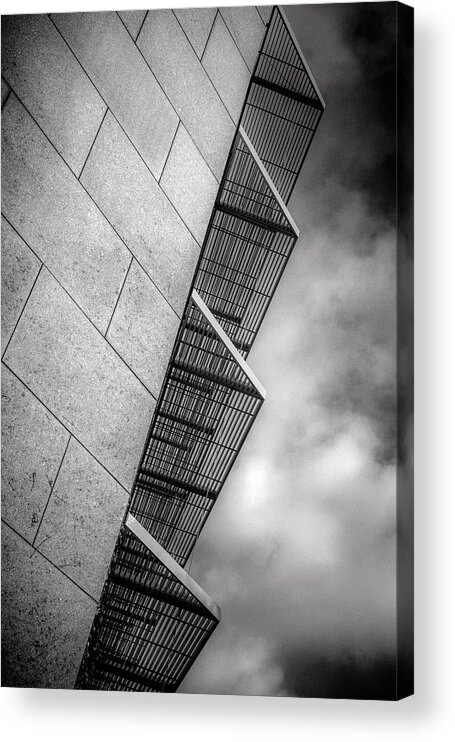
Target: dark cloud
x: 317, y: 675
x: 300, y: 548
x: 352, y: 54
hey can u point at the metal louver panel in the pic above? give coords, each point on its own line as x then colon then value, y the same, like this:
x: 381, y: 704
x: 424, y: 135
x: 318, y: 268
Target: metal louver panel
x: 152, y: 621
x: 199, y: 426
x: 283, y: 105
x: 249, y: 240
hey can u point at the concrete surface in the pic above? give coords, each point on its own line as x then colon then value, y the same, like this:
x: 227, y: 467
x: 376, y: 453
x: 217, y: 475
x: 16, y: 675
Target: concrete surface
x: 190, y: 184
x: 81, y: 522
x: 5, y: 90
x: 110, y: 57
x: 78, y: 376
x: 187, y: 86
x: 133, y: 20
x: 247, y: 29
x: 226, y: 68
x: 143, y: 329
x: 134, y: 203
x: 51, y: 84
x: 197, y: 24
x: 29, y: 468
x: 19, y: 270
x: 55, y: 216
x: 46, y: 619
x: 265, y: 11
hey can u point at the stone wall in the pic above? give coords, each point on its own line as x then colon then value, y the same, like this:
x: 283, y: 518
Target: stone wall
x: 115, y: 133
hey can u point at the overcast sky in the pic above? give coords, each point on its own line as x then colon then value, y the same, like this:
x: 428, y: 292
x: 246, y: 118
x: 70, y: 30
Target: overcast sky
x: 299, y: 549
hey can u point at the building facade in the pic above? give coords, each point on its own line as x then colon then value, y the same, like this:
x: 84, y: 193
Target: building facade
x: 147, y: 161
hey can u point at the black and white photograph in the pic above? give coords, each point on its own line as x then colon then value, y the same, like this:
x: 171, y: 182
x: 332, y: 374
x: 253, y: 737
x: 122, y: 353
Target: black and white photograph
x: 207, y: 350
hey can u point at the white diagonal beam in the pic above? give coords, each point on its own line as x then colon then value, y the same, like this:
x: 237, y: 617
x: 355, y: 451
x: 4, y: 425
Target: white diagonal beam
x: 269, y: 181
x: 216, y: 327
x: 179, y: 573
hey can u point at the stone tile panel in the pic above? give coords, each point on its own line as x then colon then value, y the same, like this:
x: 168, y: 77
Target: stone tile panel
x: 187, y: 86
x: 247, y: 30
x: 51, y: 84
x: 56, y: 217
x: 82, y: 520
x: 110, y: 57
x: 133, y: 20
x: 5, y: 90
x: 265, y: 12
x: 143, y: 329
x: 19, y: 269
x: 197, y: 23
x: 134, y: 203
x: 46, y: 619
x: 226, y: 68
x: 61, y: 357
x: 190, y: 184
x: 33, y: 444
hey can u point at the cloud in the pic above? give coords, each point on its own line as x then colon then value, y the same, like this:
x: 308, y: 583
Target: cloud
x: 343, y: 675
x: 299, y: 550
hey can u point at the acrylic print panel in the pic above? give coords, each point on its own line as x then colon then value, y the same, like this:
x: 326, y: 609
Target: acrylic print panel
x: 207, y: 350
